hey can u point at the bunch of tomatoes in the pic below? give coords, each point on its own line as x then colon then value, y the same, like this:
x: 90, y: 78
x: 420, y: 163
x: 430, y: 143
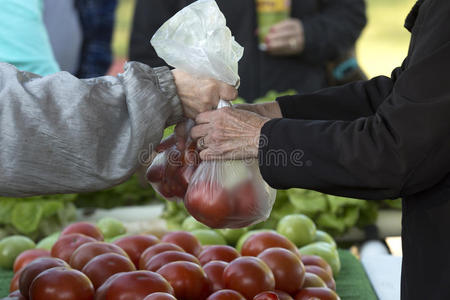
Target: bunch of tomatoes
x: 80, y: 266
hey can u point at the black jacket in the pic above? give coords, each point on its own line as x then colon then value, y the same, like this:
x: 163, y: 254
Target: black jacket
x: 383, y: 138
x: 331, y: 28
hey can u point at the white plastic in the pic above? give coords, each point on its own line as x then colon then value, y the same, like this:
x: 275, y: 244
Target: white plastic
x: 220, y: 194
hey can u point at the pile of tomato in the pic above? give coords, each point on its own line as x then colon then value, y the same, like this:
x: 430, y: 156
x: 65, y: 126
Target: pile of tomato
x: 80, y: 266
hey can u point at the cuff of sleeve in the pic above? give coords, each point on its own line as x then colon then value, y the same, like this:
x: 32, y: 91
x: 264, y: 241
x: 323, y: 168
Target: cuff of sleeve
x: 299, y: 107
x: 265, y: 146
x: 168, y: 88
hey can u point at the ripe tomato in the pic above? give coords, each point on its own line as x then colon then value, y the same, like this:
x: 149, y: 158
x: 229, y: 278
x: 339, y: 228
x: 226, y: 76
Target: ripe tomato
x: 67, y: 244
x: 14, y: 284
x: 287, y: 268
x: 161, y: 259
x: 61, y: 284
x: 276, y: 295
x: 155, y: 172
x: 329, y: 281
x: 156, y: 249
x: 84, y: 228
x: 28, y: 256
x: 36, y: 267
x: 185, y: 240
x: 312, y: 280
x: 316, y: 293
x: 209, y: 203
x: 133, y: 286
x: 246, y: 201
x: 88, y: 251
x: 101, y: 267
x: 219, y: 252
x: 188, y: 280
x: 134, y: 245
x: 309, y: 260
x: 261, y: 241
x: 214, y: 272
x: 160, y: 296
x: 226, y: 295
x: 249, y: 276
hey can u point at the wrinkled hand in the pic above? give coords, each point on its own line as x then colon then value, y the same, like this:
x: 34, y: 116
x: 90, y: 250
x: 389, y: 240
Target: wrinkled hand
x: 199, y: 95
x: 286, y: 38
x: 228, y: 133
x: 269, y: 110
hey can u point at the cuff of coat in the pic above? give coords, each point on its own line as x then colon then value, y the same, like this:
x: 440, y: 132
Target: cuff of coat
x: 169, y: 89
x: 299, y: 107
x: 265, y: 147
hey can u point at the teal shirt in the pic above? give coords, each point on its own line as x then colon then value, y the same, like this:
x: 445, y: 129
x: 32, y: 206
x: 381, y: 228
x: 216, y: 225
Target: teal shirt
x: 23, y: 38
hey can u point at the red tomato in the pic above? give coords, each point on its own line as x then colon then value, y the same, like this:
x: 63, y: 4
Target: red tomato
x: 101, y: 267
x: 287, y: 268
x: 28, y: 256
x: 88, y: 251
x: 160, y: 296
x: 329, y: 281
x: 218, y: 252
x: 314, y: 260
x: 14, y: 284
x: 36, y: 267
x: 214, y: 272
x: 61, y: 284
x: 185, y: 240
x: 156, y: 249
x: 84, y: 228
x: 261, y: 241
x: 188, y: 280
x: 155, y: 172
x: 209, y: 203
x: 312, y: 280
x: 133, y: 286
x: 226, y: 295
x: 249, y: 276
x: 246, y: 200
x: 67, y: 244
x: 316, y: 293
x: 161, y: 259
x: 276, y: 295
x: 134, y: 245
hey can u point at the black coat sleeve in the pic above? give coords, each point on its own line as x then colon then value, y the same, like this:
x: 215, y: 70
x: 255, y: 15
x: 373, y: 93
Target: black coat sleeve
x: 149, y: 15
x: 333, y: 30
x: 399, y: 150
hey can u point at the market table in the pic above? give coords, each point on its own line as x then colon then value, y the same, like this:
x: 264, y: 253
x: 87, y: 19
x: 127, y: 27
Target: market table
x: 352, y: 282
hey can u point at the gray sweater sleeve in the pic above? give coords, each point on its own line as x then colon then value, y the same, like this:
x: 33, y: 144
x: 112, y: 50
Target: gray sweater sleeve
x: 60, y: 134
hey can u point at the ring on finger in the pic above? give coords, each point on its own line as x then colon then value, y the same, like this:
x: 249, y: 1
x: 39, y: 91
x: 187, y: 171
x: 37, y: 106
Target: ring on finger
x: 201, y: 143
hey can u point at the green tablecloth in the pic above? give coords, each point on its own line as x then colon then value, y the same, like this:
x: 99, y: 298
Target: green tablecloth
x: 352, y: 283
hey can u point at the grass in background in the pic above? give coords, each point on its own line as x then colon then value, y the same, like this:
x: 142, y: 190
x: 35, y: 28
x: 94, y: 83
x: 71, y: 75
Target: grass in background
x: 384, y: 42
x: 382, y: 46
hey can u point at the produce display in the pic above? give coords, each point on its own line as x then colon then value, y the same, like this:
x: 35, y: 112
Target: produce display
x: 177, y: 266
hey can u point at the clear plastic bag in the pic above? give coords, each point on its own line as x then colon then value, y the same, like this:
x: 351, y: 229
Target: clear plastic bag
x: 176, y: 161
x: 220, y: 194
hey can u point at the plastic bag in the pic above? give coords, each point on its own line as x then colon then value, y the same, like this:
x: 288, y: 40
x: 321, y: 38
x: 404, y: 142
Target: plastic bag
x: 176, y: 161
x: 220, y: 194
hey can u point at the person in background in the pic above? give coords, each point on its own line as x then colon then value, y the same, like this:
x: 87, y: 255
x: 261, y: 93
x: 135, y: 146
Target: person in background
x: 24, y: 42
x: 297, y: 49
x: 80, y: 34
x: 383, y: 138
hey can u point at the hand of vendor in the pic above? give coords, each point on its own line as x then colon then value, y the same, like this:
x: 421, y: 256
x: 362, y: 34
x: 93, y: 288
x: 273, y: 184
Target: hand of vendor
x: 286, y: 38
x: 228, y: 133
x: 199, y: 95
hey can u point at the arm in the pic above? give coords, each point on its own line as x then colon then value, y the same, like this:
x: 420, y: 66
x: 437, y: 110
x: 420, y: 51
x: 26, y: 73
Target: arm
x: 400, y: 150
x: 334, y: 30
x: 63, y: 135
x: 148, y: 17
x: 97, y: 20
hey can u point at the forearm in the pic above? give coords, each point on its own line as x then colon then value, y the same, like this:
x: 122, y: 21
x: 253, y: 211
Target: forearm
x: 65, y: 135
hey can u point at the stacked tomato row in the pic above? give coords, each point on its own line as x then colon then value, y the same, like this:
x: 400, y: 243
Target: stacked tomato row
x: 81, y: 266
